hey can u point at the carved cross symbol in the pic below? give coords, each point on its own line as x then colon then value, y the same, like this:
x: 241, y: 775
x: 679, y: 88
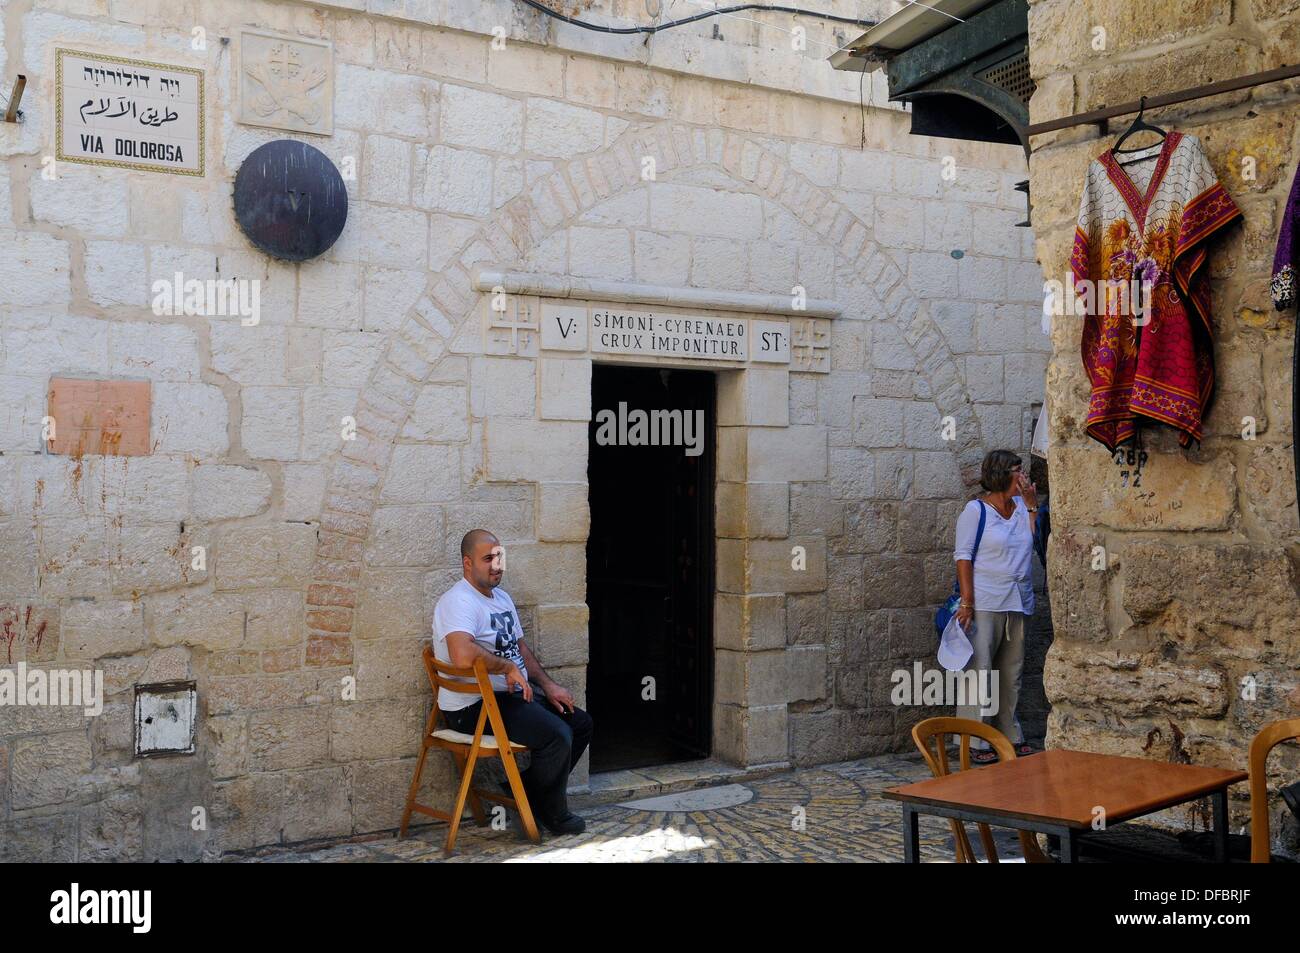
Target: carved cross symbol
x: 522, y: 321
x: 283, y: 61
x: 809, y: 346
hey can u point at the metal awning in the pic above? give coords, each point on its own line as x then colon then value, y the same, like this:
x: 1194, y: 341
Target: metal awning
x: 903, y: 30
x: 962, y: 64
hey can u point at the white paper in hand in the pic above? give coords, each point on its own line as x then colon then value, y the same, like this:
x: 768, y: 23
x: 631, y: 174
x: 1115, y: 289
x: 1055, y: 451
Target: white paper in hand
x: 955, y: 649
x: 1038, y: 444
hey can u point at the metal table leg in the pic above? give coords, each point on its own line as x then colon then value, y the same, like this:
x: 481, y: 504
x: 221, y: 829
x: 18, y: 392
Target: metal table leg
x: 1220, y: 799
x: 1069, y: 846
x: 911, y: 845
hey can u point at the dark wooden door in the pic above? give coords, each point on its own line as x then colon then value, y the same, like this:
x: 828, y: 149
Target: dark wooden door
x: 690, y: 595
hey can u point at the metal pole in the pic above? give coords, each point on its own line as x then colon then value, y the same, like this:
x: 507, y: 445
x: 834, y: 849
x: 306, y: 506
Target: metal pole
x: 1098, y: 116
x: 15, y: 97
x: 1220, y: 800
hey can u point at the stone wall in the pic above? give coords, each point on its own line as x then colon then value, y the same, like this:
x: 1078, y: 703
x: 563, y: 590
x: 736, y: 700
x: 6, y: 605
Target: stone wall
x: 323, y: 555
x: 1198, y: 595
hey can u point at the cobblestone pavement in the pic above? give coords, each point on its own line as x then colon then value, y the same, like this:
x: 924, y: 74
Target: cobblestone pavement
x: 844, y: 818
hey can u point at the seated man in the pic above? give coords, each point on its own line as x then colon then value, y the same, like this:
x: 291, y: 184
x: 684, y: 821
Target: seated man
x: 476, y: 620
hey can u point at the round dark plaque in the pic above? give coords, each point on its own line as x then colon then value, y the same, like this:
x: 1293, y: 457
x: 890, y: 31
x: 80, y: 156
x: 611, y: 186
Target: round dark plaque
x: 290, y: 200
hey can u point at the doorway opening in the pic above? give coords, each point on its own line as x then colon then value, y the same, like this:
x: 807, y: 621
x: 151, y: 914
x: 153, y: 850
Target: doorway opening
x: 650, y: 566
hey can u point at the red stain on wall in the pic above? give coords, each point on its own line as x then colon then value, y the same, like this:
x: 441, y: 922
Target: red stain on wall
x: 8, y: 630
x: 29, y: 632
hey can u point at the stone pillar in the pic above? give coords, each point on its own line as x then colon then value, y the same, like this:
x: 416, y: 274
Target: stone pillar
x: 548, y: 447
x: 1174, y: 599
x: 759, y: 563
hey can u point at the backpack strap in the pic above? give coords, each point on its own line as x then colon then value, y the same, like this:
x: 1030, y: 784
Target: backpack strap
x: 979, y: 533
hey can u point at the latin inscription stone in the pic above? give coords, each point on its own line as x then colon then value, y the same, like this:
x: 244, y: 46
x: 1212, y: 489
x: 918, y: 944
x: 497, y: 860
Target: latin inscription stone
x: 651, y: 333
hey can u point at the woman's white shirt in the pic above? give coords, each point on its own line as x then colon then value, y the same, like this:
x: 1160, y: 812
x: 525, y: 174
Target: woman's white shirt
x: 1003, y: 575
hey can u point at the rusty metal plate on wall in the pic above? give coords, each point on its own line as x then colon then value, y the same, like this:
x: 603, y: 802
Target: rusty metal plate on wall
x: 164, y: 718
x: 290, y: 200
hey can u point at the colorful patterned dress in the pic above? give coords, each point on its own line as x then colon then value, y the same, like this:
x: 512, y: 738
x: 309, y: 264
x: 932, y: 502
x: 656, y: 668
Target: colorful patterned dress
x: 1148, y: 222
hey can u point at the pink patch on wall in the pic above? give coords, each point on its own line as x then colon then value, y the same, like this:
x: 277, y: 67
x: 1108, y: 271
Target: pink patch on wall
x: 107, y: 418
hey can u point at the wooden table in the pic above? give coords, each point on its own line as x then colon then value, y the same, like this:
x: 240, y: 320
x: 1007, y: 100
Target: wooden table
x: 1056, y: 792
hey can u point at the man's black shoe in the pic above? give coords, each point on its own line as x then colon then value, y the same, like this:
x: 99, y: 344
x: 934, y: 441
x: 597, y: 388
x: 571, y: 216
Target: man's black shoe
x: 569, y: 824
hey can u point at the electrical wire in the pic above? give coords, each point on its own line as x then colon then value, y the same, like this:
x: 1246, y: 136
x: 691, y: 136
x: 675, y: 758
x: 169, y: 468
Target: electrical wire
x: 598, y: 28
x: 759, y: 23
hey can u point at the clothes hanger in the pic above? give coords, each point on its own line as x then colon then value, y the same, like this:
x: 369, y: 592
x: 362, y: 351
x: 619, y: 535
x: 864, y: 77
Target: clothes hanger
x: 1139, y: 125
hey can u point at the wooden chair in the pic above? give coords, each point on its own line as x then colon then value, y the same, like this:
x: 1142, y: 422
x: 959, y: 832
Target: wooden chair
x: 466, y: 749
x: 1269, y: 737
x: 935, y: 731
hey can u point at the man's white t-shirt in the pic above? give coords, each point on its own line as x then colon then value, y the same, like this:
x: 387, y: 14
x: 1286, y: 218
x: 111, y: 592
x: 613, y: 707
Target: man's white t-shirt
x: 492, y: 623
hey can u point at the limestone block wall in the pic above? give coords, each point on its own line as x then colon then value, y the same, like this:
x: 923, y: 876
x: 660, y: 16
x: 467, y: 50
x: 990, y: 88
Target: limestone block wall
x: 323, y: 555
x: 1184, y: 643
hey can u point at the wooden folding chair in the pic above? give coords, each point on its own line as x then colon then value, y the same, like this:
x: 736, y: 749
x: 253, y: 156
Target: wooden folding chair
x: 936, y: 731
x: 1269, y: 737
x: 466, y: 749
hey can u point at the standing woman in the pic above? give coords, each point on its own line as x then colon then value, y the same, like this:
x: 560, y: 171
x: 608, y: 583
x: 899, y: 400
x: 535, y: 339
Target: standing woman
x: 997, y: 589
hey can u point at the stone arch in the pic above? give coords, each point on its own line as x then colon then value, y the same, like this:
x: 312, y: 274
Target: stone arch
x: 554, y: 202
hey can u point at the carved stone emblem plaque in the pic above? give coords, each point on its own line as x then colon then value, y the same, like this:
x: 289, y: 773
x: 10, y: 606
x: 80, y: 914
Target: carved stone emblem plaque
x: 286, y: 82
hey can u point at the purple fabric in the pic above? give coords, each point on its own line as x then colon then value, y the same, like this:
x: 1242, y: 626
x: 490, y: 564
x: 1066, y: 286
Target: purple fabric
x: 1287, y: 260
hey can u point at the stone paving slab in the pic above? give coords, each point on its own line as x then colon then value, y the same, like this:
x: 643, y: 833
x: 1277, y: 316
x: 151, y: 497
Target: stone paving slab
x: 830, y: 812
x: 629, y: 784
x: 706, y: 799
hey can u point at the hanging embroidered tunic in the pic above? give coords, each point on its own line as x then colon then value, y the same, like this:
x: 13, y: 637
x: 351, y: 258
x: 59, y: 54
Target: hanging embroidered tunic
x: 1287, y: 259
x: 1149, y: 356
